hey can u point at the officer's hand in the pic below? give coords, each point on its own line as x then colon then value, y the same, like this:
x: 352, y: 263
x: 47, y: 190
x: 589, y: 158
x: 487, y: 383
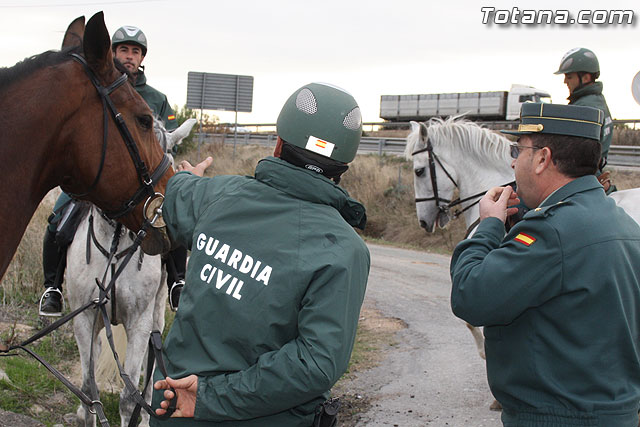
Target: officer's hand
x: 186, y: 388
x: 496, y: 202
x: 197, y: 169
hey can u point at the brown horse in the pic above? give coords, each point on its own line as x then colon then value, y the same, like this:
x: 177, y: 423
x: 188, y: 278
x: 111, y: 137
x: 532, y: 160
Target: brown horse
x: 57, y: 130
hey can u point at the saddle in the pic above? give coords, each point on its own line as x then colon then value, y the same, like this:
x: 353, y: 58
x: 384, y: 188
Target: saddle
x: 67, y: 219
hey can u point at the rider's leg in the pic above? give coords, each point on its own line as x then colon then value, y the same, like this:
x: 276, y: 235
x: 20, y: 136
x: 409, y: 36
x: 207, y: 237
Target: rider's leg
x: 176, y: 262
x: 53, y: 260
x: 53, y: 263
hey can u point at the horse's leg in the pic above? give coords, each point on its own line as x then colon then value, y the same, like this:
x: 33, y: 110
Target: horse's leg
x: 83, y: 331
x: 478, y: 338
x: 137, y: 341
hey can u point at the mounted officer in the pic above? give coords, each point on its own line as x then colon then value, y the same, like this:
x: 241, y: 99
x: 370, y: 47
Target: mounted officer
x: 581, y: 69
x: 129, y: 45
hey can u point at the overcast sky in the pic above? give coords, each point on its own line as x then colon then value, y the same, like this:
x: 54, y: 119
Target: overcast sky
x: 368, y: 47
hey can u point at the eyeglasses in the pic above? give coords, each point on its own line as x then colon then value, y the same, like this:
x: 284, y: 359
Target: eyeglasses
x: 515, y: 149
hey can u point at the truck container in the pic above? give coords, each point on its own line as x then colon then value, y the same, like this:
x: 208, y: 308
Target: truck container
x: 496, y: 105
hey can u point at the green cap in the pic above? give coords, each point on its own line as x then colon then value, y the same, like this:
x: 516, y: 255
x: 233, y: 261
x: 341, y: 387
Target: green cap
x: 578, y: 60
x: 557, y: 119
x: 322, y: 118
x: 130, y: 35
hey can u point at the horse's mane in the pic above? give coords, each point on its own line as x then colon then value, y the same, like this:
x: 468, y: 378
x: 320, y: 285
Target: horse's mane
x: 11, y: 75
x: 457, y: 133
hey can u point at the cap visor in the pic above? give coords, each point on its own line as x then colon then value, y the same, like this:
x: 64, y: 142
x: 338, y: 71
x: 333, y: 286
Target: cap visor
x: 516, y: 132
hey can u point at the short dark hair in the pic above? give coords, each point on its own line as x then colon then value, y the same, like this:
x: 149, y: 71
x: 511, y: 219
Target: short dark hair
x: 594, y: 76
x: 574, y: 156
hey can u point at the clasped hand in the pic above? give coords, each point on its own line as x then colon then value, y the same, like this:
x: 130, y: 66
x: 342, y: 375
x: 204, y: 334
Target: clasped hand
x: 186, y: 389
x: 499, y: 202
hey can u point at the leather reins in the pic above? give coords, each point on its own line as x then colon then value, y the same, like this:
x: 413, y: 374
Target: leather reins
x: 146, y: 189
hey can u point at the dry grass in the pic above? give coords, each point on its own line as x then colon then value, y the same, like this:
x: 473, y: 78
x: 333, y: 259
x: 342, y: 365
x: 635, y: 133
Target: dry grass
x: 384, y: 184
x: 23, y: 280
x: 623, y: 135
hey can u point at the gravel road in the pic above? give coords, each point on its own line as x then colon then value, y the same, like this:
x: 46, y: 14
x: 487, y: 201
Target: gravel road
x: 434, y: 376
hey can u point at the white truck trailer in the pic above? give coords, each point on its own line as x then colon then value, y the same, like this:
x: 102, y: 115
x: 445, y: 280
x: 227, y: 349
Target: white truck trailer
x: 497, y: 105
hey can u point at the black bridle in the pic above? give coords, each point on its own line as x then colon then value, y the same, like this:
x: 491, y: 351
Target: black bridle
x: 145, y: 190
x: 443, y: 205
x: 146, y: 181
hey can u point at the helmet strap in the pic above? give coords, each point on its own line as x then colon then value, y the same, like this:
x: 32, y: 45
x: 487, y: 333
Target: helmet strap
x: 306, y: 159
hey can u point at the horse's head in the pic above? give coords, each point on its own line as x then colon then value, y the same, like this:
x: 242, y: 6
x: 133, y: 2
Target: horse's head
x: 109, y: 138
x: 434, y: 177
x: 168, y: 139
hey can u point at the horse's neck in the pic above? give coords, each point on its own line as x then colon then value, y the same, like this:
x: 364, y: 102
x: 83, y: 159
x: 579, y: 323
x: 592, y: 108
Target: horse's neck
x: 31, y: 164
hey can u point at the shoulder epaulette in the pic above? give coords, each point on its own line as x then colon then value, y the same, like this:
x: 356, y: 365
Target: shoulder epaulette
x: 543, y: 211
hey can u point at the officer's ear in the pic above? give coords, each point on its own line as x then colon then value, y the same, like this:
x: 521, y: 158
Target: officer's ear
x: 543, y: 159
x: 586, y: 78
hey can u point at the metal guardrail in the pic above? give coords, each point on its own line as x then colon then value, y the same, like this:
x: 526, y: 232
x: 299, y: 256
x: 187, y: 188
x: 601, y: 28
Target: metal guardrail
x: 496, y: 124
x: 619, y: 155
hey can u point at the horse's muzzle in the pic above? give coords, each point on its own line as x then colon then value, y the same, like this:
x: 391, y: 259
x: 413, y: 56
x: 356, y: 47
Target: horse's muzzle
x: 157, y: 242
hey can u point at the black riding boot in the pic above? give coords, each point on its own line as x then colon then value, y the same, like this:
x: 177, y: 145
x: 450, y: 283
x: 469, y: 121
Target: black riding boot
x: 53, y: 265
x: 50, y: 258
x: 176, y: 263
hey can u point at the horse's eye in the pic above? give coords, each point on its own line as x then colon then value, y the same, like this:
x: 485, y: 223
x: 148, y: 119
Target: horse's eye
x: 419, y: 171
x: 145, y: 121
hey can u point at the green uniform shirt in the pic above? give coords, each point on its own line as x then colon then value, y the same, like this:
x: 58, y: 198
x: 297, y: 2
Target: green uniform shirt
x: 591, y: 96
x: 559, y: 297
x: 157, y: 101
x: 274, y: 286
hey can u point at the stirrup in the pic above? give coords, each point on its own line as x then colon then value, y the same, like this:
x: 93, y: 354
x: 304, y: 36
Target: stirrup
x: 174, y: 304
x: 48, y: 314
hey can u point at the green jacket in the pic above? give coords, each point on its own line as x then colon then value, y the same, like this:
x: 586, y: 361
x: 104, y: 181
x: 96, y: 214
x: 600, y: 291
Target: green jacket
x: 559, y: 297
x: 274, y: 287
x: 591, y: 96
x: 157, y: 101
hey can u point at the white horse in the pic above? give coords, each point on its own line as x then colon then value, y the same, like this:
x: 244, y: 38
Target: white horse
x: 140, y: 296
x: 473, y: 159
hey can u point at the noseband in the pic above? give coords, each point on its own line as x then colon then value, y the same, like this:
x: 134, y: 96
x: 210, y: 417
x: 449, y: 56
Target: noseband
x: 146, y: 181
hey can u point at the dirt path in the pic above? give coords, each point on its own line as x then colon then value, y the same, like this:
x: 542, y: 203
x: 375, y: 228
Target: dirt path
x: 429, y: 372
x: 433, y: 375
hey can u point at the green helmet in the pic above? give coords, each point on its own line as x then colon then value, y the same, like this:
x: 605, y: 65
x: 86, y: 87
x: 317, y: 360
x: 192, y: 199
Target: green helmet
x: 324, y: 119
x: 578, y: 60
x: 130, y: 35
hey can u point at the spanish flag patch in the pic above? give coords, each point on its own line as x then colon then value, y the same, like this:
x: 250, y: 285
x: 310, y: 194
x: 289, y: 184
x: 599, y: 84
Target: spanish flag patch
x: 525, y: 239
x: 171, y: 117
x: 320, y: 146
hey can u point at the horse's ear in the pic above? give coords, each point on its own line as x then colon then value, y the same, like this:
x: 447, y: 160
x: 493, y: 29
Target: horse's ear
x: 74, y: 34
x: 414, y: 126
x: 97, y: 44
x: 424, y: 133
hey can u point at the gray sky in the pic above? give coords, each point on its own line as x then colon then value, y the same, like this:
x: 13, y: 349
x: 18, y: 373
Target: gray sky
x: 368, y: 47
